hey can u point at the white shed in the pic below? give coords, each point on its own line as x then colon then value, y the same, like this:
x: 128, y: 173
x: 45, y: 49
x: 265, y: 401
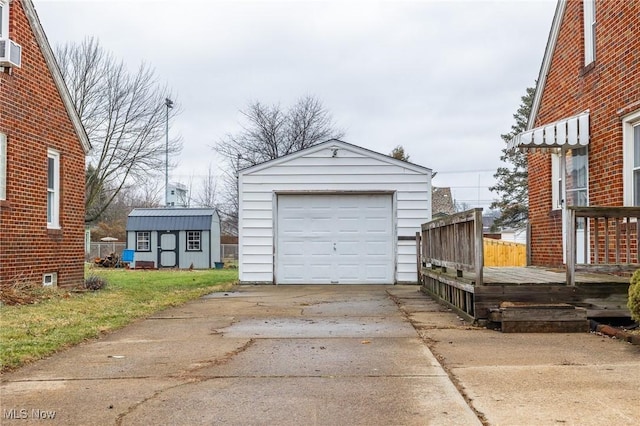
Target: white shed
x: 334, y: 213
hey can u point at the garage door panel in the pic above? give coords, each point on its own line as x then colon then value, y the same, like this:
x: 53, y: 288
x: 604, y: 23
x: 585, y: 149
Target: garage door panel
x: 319, y: 272
x: 376, y: 272
x: 343, y: 239
x: 376, y: 249
x: 294, y: 248
x: 349, y: 248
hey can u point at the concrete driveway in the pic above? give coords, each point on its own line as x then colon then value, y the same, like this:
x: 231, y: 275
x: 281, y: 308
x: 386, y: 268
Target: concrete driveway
x: 286, y: 355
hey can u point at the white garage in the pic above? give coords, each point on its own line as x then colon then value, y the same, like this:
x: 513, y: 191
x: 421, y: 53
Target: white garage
x: 334, y: 213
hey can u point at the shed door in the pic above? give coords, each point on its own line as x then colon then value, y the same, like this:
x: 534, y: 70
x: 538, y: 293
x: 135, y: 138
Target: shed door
x: 334, y: 239
x: 168, y: 249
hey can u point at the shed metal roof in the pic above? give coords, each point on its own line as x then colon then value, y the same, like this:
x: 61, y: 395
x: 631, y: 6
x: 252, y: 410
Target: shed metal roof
x: 174, y: 219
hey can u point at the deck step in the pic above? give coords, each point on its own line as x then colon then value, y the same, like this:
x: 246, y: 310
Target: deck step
x: 521, y: 317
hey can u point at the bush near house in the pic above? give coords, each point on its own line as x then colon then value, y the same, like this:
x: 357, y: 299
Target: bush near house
x: 634, y: 296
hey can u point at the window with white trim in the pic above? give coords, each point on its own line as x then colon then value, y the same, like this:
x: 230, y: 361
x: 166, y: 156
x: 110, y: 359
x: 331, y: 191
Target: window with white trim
x: 4, y: 18
x: 50, y: 279
x: 570, y: 185
x: 556, y: 180
x: 143, y: 241
x: 576, y: 177
x: 53, y: 189
x: 193, y: 240
x: 631, y: 163
x: 589, y: 8
x: 3, y: 166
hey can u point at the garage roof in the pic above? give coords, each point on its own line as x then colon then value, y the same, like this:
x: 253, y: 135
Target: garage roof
x: 336, y: 145
x: 173, y: 219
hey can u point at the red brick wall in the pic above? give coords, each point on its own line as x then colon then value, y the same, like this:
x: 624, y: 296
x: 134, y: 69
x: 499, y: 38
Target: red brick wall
x: 34, y: 119
x: 610, y: 89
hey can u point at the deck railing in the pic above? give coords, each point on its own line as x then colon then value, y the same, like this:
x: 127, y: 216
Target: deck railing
x: 608, y: 243
x: 455, y: 242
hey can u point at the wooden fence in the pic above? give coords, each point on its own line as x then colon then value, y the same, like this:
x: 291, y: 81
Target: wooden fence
x: 455, y: 243
x: 504, y: 253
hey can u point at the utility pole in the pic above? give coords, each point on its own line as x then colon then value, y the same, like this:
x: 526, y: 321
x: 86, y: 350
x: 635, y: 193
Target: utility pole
x: 169, y: 104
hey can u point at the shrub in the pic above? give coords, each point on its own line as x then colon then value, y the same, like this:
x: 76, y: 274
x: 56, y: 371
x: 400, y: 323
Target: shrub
x: 95, y: 282
x: 634, y: 296
x: 23, y: 291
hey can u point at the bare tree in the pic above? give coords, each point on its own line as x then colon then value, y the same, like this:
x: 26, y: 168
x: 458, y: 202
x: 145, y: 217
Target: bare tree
x: 206, y: 197
x: 124, y: 114
x: 270, y: 132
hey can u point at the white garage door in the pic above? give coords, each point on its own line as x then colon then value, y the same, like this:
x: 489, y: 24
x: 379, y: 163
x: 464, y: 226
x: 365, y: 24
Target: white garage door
x: 334, y: 239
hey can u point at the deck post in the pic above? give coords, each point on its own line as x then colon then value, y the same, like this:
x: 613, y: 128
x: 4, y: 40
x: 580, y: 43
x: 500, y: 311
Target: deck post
x: 418, y: 256
x: 479, y: 245
x: 571, y: 247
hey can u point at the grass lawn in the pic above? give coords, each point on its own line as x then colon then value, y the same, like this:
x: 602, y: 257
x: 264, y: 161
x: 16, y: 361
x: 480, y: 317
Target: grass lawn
x: 31, y: 332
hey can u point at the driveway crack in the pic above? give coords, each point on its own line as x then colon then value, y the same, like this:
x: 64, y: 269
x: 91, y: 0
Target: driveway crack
x: 188, y: 378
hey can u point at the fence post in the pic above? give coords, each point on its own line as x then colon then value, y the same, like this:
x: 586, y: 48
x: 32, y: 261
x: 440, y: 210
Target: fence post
x: 479, y: 245
x: 418, y: 257
x: 571, y: 247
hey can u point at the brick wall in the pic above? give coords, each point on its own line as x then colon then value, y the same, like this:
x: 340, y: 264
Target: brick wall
x: 33, y: 117
x: 610, y: 89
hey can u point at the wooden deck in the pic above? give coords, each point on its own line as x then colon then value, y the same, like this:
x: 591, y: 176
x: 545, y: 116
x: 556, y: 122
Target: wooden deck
x: 536, y: 275
x: 451, y: 265
x: 603, y: 295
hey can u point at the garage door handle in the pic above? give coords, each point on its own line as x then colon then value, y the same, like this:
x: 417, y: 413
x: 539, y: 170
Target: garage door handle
x: 334, y: 246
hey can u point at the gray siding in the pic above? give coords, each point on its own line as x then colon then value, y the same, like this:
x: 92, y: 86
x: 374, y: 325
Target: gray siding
x: 183, y: 220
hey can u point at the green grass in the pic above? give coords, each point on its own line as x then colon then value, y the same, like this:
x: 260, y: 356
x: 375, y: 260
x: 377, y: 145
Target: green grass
x: 31, y: 332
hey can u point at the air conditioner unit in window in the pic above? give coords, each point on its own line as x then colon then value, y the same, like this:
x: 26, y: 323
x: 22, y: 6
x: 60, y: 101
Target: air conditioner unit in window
x: 10, y: 53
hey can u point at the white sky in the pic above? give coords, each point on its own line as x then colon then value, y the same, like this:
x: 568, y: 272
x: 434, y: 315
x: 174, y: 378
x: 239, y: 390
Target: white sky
x: 441, y: 78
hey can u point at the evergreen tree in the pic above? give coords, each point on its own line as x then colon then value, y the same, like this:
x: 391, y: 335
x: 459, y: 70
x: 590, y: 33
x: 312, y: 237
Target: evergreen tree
x: 399, y: 154
x: 512, y: 185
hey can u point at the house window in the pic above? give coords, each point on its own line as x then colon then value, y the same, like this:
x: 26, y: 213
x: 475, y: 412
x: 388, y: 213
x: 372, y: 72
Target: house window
x: 556, y: 180
x: 143, y: 241
x: 570, y: 185
x: 631, y: 173
x: 3, y: 166
x: 589, y: 8
x: 576, y: 177
x: 50, y: 279
x: 193, y: 240
x: 4, y: 19
x: 53, y: 189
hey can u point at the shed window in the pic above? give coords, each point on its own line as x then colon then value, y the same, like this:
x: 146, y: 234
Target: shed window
x: 193, y: 240
x: 143, y: 241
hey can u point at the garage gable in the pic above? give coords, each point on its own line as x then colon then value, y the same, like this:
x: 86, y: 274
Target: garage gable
x: 337, y: 150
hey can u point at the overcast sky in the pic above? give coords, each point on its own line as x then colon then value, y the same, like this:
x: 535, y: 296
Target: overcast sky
x: 441, y: 78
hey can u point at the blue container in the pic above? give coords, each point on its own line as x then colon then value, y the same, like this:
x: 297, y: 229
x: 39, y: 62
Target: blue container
x: 218, y: 265
x: 127, y: 255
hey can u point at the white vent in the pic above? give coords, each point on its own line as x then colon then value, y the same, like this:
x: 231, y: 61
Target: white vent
x: 10, y: 53
x: 50, y: 279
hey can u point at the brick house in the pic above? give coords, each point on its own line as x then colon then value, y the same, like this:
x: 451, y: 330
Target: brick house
x: 42, y: 158
x: 583, y: 133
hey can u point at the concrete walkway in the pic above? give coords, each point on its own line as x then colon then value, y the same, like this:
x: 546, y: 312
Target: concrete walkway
x: 260, y: 355
x: 531, y: 378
